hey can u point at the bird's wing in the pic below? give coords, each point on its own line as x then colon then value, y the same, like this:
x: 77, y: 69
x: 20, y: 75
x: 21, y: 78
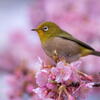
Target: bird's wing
x: 70, y: 37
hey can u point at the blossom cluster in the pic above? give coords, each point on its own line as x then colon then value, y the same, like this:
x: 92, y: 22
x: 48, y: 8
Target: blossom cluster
x: 62, y: 82
x: 21, y: 82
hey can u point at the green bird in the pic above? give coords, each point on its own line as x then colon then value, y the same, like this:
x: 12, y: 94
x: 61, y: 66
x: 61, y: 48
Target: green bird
x: 59, y: 44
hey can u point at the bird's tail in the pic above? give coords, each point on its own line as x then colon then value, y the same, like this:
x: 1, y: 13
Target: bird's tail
x: 96, y: 53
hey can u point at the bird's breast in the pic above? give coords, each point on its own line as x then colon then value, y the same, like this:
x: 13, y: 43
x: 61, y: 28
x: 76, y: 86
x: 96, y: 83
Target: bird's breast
x: 62, y: 48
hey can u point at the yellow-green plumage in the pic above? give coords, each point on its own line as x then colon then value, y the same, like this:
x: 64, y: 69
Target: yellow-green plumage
x: 58, y: 43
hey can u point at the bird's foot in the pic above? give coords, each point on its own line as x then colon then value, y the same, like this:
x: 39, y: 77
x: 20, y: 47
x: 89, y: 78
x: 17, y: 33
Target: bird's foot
x: 56, y: 58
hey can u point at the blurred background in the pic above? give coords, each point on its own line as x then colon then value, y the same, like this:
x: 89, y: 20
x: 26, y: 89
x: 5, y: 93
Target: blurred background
x: 20, y: 49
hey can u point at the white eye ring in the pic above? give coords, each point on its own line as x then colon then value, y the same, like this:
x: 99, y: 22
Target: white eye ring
x: 45, y: 28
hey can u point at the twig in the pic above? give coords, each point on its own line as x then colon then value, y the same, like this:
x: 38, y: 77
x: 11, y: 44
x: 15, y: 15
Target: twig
x: 96, y: 84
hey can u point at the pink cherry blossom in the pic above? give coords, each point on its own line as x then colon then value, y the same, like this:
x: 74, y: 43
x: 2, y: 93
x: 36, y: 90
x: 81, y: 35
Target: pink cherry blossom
x: 42, y: 78
x: 62, y: 82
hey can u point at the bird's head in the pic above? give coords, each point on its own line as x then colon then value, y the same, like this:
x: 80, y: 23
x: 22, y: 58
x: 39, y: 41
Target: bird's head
x: 47, y: 30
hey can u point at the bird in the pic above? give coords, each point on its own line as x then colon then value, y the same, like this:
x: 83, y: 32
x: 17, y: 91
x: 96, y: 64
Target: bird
x: 59, y: 44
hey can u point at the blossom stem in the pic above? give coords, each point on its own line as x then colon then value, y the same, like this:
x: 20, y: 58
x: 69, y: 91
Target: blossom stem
x: 61, y: 89
x: 70, y: 97
x: 85, y: 75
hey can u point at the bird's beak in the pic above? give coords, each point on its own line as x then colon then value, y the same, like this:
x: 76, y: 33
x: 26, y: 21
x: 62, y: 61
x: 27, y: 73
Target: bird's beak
x: 34, y: 29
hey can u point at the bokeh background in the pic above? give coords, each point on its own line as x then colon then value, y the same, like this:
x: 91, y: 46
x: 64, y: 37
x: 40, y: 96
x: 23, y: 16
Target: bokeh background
x: 20, y: 49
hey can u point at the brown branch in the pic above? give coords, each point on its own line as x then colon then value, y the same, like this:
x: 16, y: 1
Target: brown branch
x: 96, y: 84
x: 77, y: 84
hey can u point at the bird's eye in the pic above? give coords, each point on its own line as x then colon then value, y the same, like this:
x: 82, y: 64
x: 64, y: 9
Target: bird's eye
x: 45, y: 28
